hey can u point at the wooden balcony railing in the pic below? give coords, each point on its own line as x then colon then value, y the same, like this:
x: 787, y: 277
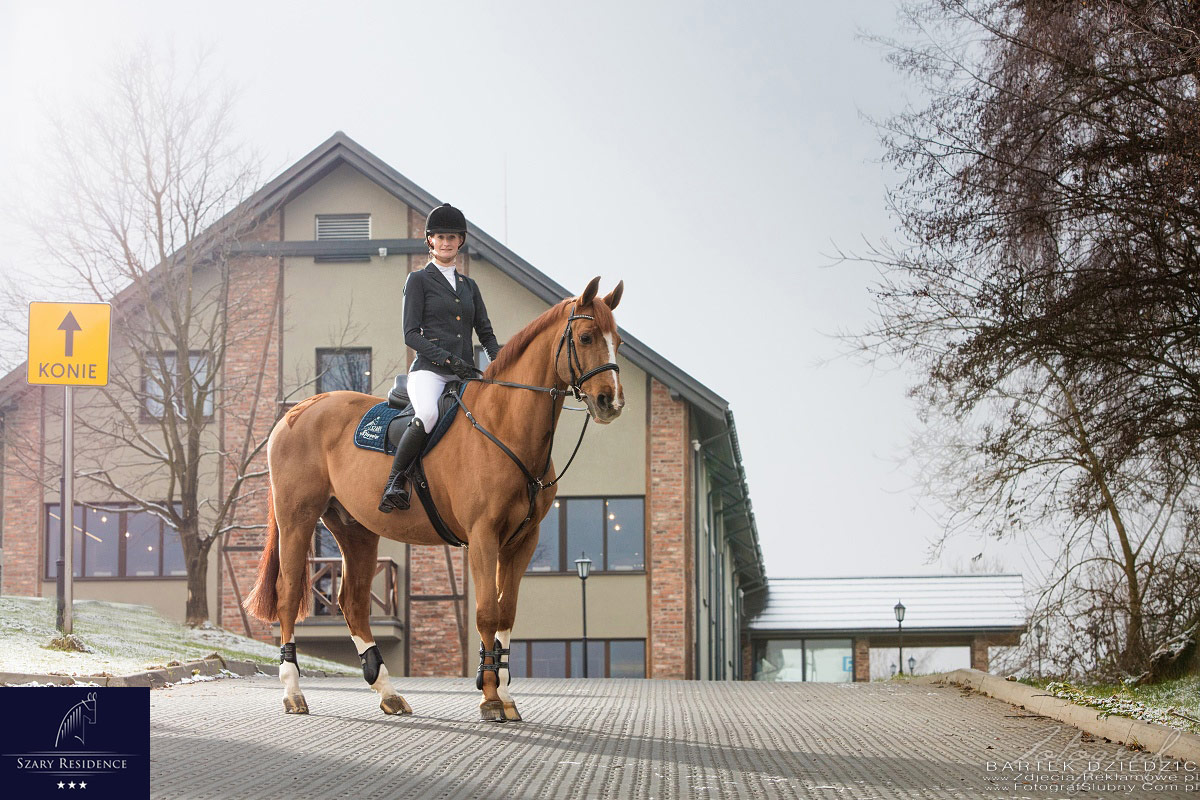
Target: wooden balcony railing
x: 327, y: 581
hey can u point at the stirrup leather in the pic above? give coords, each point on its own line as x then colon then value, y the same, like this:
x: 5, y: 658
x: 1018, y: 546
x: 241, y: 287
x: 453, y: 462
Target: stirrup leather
x: 497, y: 664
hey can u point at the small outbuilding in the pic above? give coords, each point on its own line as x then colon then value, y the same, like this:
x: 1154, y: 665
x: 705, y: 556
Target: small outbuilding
x: 823, y: 629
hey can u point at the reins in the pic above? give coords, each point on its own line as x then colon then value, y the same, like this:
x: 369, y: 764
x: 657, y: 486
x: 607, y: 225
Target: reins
x: 534, y: 484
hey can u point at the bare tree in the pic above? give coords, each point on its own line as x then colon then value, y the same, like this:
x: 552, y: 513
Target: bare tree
x: 148, y: 196
x: 1050, y: 290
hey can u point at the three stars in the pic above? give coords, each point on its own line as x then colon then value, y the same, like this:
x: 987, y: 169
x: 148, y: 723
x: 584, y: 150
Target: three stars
x: 71, y: 785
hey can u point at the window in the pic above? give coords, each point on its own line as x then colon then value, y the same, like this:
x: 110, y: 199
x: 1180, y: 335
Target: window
x: 557, y: 658
x: 159, y: 384
x: 342, y: 228
x: 115, y: 543
x: 344, y: 368
x: 481, y: 357
x: 819, y: 660
x: 610, y: 531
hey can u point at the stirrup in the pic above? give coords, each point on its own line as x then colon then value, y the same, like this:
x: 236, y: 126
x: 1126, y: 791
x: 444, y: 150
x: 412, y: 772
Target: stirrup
x: 395, y: 495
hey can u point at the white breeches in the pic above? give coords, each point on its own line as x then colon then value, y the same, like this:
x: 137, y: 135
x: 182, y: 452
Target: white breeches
x: 424, y: 389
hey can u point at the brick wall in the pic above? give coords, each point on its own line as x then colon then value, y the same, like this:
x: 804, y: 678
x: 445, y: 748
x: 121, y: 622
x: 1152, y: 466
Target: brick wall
x: 250, y: 404
x: 670, y: 559
x: 435, y: 638
x: 862, y: 660
x: 979, y: 654
x: 23, y: 496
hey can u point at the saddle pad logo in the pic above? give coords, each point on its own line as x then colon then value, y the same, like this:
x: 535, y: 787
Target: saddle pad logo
x: 94, y: 741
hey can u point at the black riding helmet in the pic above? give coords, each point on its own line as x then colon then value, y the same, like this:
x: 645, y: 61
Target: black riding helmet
x: 446, y: 219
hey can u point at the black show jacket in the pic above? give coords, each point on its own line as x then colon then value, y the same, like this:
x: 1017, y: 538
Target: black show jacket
x: 438, y: 320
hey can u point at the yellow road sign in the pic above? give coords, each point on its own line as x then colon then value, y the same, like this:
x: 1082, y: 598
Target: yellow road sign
x: 68, y: 343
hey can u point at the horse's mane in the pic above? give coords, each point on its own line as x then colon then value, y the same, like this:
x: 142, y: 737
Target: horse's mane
x: 517, y: 345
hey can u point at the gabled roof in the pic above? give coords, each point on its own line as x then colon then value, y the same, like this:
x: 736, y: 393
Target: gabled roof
x: 341, y: 149
x: 932, y: 603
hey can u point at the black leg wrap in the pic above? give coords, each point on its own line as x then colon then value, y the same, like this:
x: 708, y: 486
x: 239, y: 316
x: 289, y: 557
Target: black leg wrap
x: 371, y: 662
x: 288, y: 653
x: 496, y: 654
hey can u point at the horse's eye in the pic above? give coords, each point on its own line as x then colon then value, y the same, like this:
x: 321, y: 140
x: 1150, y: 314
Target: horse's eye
x: 585, y: 338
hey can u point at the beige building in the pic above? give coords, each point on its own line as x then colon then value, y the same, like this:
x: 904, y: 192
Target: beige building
x: 658, y: 500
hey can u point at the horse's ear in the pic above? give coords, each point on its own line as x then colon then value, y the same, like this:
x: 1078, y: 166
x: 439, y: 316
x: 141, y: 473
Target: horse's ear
x: 614, y: 296
x: 589, y: 294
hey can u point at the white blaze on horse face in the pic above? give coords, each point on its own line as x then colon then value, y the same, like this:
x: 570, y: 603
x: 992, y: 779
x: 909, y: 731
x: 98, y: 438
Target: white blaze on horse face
x: 618, y: 395
x: 502, y: 689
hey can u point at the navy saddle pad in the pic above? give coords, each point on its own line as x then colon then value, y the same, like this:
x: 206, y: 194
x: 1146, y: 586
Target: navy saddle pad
x: 382, y: 426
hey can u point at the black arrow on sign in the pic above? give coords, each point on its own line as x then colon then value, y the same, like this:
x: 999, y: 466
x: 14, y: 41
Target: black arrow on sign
x: 70, y: 326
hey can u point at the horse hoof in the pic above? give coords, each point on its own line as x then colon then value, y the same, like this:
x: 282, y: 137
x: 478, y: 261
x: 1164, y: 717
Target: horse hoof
x: 492, y: 711
x: 395, y: 704
x: 510, y: 712
x: 295, y: 705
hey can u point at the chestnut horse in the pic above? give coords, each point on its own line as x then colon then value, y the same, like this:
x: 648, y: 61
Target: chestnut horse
x: 317, y: 472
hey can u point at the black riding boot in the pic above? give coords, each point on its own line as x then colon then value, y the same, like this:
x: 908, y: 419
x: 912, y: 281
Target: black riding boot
x: 395, y: 495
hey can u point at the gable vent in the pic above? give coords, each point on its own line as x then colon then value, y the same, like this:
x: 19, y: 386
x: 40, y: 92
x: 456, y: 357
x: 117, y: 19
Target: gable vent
x: 343, y: 226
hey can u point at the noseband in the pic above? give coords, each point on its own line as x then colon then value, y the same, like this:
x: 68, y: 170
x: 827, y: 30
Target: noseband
x: 576, y: 384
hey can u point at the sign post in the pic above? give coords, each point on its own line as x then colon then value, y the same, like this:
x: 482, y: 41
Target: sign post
x: 68, y: 347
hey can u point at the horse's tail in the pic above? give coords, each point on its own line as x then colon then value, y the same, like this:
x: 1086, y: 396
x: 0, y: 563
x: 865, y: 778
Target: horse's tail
x: 263, y: 600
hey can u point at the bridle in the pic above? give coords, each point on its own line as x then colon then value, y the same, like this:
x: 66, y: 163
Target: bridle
x: 573, y: 357
x: 536, y: 483
x: 575, y: 387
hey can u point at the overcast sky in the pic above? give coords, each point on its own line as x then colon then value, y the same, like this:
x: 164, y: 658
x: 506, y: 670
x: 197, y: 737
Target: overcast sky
x: 712, y: 155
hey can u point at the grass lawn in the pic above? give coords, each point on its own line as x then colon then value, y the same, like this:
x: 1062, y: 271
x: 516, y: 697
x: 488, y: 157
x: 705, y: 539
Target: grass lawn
x: 1174, y: 703
x: 122, y: 638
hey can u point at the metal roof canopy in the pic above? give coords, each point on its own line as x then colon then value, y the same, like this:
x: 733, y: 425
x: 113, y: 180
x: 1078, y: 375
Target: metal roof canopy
x: 933, y: 604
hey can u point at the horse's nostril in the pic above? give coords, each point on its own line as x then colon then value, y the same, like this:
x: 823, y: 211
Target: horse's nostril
x: 604, y: 401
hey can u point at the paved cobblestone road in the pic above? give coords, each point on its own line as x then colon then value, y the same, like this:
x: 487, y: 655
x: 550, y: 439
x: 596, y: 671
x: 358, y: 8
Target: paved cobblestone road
x: 602, y: 738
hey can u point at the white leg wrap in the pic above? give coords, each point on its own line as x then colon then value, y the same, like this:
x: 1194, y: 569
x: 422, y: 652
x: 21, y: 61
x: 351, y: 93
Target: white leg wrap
x: 502, y: 689
x: 383, y: 684
x: 289, y: 676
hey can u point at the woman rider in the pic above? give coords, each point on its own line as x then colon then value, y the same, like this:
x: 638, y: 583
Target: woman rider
x: 441, y: 308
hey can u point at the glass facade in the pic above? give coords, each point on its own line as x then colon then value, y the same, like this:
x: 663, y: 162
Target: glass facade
x: 559, y: 658
x: 115, y: 543
x: 609, y: 531
x: 816, y: 660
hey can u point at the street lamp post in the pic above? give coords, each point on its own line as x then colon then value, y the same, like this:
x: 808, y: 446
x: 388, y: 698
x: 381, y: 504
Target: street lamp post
x: 583, y: 566
x: 899, y: 609
x: 912, y: 665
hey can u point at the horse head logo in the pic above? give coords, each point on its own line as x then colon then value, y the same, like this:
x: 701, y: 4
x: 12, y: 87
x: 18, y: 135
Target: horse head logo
x: 75, y: 722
